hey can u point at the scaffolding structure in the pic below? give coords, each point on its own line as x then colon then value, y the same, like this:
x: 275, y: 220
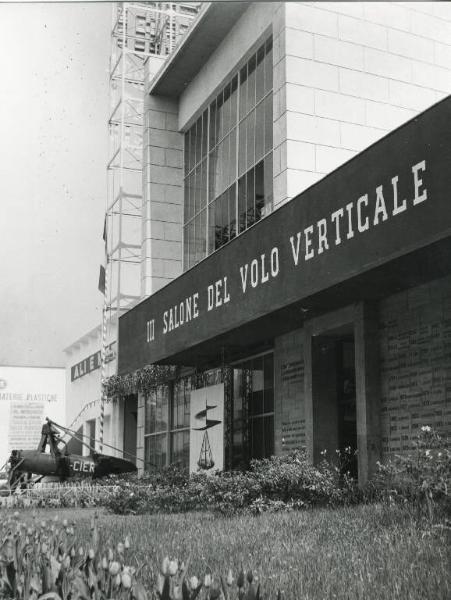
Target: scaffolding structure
x: 140, y: 31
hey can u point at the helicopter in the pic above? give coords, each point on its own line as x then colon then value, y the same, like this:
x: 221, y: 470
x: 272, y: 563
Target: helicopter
x: 27, y: 467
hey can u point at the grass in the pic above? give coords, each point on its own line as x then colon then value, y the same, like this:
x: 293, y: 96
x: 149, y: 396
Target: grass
x: 363, y: 552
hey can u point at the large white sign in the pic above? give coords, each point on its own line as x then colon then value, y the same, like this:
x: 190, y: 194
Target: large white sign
x: 27, y: 396
x: 206, y: 448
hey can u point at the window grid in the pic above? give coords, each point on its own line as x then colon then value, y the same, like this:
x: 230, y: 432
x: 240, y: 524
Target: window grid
x: 240, y: 112
x: 258, y: 419
x: 166, y: 423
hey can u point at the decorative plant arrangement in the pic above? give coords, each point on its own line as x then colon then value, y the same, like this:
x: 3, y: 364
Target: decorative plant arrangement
x: 174, y: 584
x: 45, y: 560
x: 142, y: 381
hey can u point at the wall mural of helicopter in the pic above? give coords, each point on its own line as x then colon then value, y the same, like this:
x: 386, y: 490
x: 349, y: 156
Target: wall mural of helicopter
x: 52, y: 458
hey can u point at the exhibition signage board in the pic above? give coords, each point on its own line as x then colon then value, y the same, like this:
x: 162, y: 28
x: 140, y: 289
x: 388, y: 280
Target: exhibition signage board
x: 390, y: 200
x: 91, y: 363
x: 206, y: 441
x: 27, y: 396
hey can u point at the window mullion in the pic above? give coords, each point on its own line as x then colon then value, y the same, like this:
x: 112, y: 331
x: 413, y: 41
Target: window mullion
x: 207, y: 196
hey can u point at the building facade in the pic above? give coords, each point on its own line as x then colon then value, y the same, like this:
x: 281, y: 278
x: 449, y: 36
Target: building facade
x: 83, y: 394
x: 293, y: 254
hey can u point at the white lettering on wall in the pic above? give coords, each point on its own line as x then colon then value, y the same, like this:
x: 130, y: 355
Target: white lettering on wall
x: 397, y: 208
x: 309, y: 252
x: 295, y: 250
x: 355, y: 217
x: 362, y: 226
x: 336, y: 216
x: 323, y: 244
x: 380, y: 206
x: 418, y: 182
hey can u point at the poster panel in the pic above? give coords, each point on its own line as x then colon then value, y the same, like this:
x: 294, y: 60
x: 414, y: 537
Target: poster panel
x: 206, y: 452
x: 27, y: 396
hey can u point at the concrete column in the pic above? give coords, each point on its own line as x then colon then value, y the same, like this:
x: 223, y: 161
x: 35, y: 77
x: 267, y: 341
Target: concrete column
x: 308, y: 393
x: 367, y: 389
x: 162, y: 212
x: 140, y: 435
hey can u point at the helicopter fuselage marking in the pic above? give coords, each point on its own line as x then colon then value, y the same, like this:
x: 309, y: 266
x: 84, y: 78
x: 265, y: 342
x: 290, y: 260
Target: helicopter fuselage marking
x: 83, y: 467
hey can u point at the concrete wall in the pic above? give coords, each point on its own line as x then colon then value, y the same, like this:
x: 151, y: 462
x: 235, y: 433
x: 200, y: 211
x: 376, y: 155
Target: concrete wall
x: 415, y: 349
x: 161, y: 251
x: 345, y: 74
x: 289, y: 418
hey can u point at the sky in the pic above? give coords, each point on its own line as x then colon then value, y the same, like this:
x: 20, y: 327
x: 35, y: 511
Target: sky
x: 54, y: 99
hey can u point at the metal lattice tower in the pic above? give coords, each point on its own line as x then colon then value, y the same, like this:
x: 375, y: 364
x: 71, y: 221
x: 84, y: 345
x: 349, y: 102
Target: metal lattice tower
x: 140, y: 31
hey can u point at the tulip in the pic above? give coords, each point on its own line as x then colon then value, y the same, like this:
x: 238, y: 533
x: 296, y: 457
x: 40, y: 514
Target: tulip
x: 229, y: 579
x: 207, y: 580
x: 117, y: 581
x: 126, y: 580
x: 120, y: 548
x: 139, y: 592
x: 127, y: 542
x: 240, y: 580
x: 250, y: 577
x: 160, y: 583
x: 215, y: 593
x: 193, y: 582
x: 115, y: 567
x: 64, y: 522
x: 110, y: 554
x: 91, y: 554
x: 165, y: 565
x: 104, y: 563
x: 173, y: 567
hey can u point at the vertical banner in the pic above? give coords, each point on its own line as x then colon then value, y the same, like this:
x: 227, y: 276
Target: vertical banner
x: 206, y: 451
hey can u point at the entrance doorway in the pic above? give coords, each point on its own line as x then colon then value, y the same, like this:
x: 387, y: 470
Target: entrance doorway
x: 346, y: 400
x: 334, y: 397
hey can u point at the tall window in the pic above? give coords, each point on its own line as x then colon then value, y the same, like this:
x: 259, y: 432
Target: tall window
x: 155, y: 428
x: 228, y: 160
x: 180, y: 417
x: 253, y: 409
x: 166, y: 425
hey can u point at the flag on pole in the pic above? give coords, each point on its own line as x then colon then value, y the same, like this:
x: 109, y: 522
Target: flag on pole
x: 101, y: 285
x: 104, y: 229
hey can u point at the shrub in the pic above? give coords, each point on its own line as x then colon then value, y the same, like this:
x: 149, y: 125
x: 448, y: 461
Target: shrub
x: 422, y: 477
x: 292, y: 477
x: 269, y: 484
